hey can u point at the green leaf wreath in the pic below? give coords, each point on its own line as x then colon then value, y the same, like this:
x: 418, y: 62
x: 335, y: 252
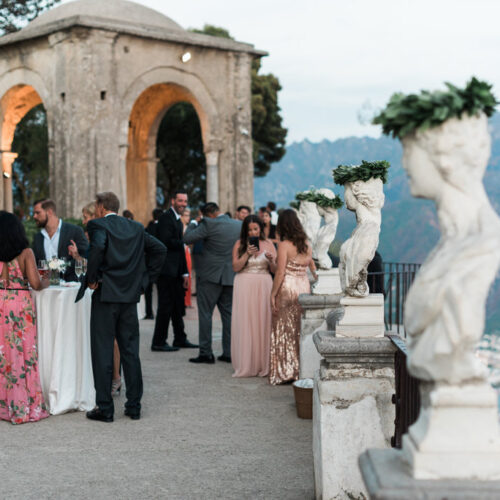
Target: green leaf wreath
x: 405, y: 114
x: 363, y: 172
x: 320, y: 199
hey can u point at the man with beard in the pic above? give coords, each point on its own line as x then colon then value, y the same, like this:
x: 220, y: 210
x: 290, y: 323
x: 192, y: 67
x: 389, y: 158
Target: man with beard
x: 173, y: 280
x: 56, y: 236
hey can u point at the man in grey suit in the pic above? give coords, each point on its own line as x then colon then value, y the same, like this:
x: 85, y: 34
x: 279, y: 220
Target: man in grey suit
x: 215, y: 277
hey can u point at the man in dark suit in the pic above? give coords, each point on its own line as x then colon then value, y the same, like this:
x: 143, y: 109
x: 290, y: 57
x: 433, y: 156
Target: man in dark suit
x: 148, y: 293
x: 56, y: 236
x: 123, y: 258
x: 215, y: 277
x: 173, y: 280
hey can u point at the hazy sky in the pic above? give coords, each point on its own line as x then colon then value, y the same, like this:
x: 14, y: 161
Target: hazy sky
x: 337, y: 58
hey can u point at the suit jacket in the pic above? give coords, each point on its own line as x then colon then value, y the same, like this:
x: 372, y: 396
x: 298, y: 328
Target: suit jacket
x: 169, y: 232
x: 68, y: 232
x: 123, y: 257
x: 219, y: 236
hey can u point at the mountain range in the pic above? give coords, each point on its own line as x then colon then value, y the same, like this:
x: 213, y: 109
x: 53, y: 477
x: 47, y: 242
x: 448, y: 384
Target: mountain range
x: 409, y: 225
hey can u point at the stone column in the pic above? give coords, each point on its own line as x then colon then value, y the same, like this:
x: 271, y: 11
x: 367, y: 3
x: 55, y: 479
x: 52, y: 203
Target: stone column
x: 8, y: 158
x: 212, y: 158
x: 318, y: 313
x: 352, y: 410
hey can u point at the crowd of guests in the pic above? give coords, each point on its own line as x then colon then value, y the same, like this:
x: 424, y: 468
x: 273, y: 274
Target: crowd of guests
x: 252, y: 267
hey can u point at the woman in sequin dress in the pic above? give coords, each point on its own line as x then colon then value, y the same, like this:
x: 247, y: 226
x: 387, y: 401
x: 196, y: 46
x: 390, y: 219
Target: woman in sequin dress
x: 21, y: 398
x: 290, y: 280
x: 251, y: 317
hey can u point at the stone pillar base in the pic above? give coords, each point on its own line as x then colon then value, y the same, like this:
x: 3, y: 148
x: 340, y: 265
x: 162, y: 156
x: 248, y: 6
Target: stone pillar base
x: 328, y: 282
x: 316, y: 310
x: 363, y: 317
x: 352, y: 410
x: 386, y: 477
x: 456, y: 434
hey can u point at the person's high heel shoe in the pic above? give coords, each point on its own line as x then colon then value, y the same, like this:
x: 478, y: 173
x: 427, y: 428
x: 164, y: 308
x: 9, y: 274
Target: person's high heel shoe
x: 116, y: 386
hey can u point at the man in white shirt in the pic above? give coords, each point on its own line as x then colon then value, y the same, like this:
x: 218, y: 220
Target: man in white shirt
x: 56, y: 236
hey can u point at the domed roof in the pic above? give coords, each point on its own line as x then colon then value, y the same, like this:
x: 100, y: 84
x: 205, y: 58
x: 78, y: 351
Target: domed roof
x: 114, y: 11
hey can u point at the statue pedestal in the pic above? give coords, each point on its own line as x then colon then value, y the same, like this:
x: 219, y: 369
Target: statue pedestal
x: 456, y: 434
x: 352, y: 410
x: 363, y: 317
x: 319, y: 312
x: 328, y: 282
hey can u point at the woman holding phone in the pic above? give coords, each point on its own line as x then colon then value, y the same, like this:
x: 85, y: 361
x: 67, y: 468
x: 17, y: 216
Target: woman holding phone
x: 254, y: 259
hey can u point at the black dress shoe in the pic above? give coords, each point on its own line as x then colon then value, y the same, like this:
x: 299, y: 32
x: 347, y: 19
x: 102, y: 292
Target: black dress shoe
x: 149, y: 316
x: 96, y: 414
x: 186, y: 344
x: 226, y: 359
x: 133, y: 414
x: 210, y: 360
x: 164, y: 348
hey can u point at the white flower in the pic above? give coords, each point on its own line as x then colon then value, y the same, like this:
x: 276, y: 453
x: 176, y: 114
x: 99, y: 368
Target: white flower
x: 56, y: 264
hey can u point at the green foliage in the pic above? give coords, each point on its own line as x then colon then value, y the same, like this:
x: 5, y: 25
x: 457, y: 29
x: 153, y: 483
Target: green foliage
x: 405, y: 114
x: 15, y: 13
x: 363, y: 172
x: 268, y: 133
x: 30, y: 170
x: 320, y: 199
x: 179, y: 148
x: 210, y: 29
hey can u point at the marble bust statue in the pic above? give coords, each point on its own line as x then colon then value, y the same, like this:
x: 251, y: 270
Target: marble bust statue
x: 366, y: 198
x: 445, y: 308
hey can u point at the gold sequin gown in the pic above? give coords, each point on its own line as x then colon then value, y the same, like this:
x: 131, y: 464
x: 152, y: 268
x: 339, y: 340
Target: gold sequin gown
x: 285, y: 333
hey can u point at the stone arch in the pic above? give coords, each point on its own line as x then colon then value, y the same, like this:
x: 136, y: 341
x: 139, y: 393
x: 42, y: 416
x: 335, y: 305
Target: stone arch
x: 149, y: 98
x: 20, y: 91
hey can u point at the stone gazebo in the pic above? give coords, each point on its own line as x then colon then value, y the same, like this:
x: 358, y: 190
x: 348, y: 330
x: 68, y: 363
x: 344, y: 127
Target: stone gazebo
x: 106, y: 73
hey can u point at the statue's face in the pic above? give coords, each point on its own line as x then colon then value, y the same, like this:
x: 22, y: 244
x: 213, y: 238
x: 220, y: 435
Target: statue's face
x: 424, y: 177
x: 350, y: 200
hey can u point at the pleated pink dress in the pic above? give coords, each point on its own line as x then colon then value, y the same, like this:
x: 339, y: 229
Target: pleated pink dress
x: 251, y: 318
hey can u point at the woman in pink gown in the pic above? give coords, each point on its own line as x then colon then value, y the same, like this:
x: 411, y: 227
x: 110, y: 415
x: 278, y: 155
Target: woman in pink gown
x: 251, y: 317
x: 294, y: 257
x: 21, y: 398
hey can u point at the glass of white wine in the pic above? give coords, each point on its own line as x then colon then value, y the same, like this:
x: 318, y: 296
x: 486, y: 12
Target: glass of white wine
x: 79, y: 268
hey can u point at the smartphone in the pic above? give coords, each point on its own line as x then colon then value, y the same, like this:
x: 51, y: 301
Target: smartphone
x: 254, y: 240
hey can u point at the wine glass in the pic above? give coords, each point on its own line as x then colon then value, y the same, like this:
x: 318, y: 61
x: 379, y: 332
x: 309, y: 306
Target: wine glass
x: 84, y: 266
x: 43, y: 268
x: 79, y: 268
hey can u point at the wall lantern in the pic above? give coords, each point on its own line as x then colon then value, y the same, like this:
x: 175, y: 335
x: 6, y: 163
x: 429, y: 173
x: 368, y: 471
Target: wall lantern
x: 186, y: 57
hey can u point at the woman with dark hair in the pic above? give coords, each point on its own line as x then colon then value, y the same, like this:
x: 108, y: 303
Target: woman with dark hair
x: 254, y: 258
x: 269, y: 229
x: 290, y: 280
x: 21, y: 398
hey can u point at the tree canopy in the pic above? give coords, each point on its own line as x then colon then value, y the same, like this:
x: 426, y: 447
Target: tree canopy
x: 179, y: 148
x: 268, y: 133
x: 14, y: 14
x: 30, y: 170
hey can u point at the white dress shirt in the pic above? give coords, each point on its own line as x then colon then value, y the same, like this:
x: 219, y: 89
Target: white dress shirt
x: 51, y: 245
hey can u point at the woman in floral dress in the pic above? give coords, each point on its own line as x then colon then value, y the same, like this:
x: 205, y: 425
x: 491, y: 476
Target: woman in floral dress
x: 21, y: 398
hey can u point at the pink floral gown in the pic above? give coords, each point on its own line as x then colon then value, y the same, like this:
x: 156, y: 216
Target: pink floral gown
x: 21, y: 398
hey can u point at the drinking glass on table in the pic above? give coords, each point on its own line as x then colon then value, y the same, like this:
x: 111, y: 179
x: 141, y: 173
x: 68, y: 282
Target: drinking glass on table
x: 79, y: 268
x: 43, y: 268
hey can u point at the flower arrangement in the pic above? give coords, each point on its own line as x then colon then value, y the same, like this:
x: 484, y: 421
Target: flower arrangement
x: 322, y: 200
x: 363, y: 172
x: 405, y: 114
x: 56, y: 264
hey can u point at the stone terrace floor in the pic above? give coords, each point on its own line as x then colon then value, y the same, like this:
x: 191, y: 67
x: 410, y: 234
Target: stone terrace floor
x: 202, y: 435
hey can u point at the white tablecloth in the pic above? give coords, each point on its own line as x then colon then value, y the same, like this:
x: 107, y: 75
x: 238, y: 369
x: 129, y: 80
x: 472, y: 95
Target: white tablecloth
x: 64, y: 359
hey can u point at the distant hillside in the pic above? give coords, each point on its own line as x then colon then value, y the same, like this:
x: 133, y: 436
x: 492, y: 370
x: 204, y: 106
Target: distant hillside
x: 409, y: 226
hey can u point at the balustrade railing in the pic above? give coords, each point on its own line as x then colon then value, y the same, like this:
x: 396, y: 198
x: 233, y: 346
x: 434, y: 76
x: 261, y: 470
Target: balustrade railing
x: 407, y: 396
x: 393, y: 281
